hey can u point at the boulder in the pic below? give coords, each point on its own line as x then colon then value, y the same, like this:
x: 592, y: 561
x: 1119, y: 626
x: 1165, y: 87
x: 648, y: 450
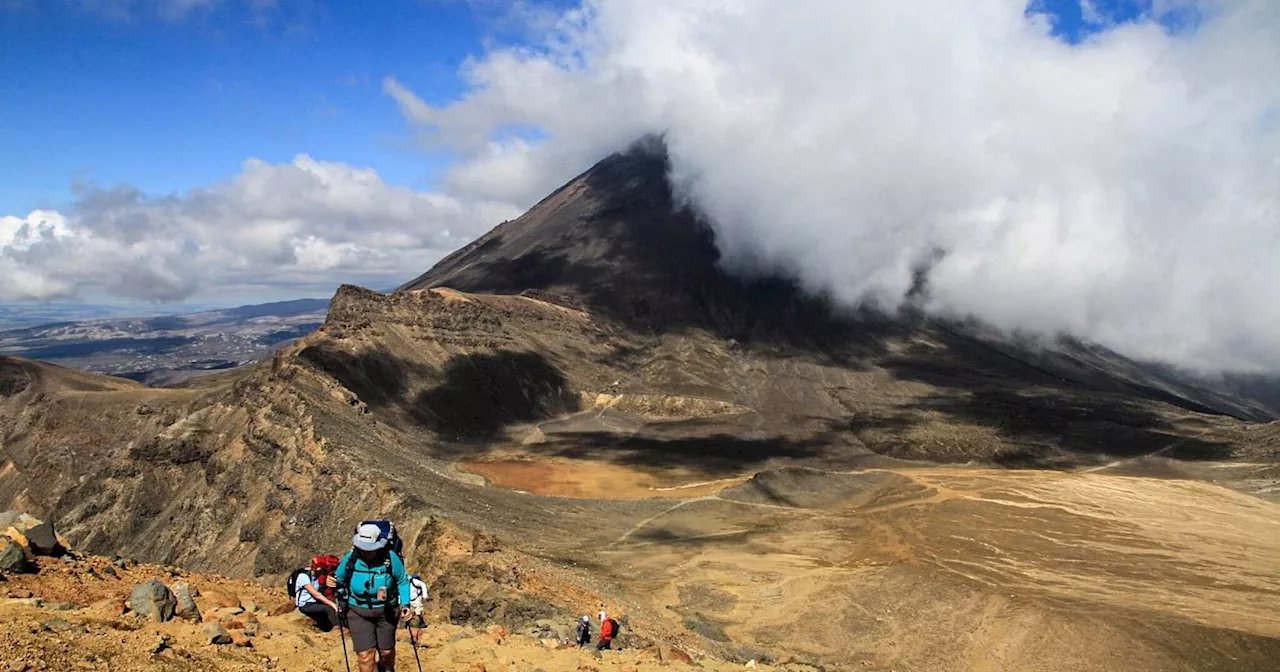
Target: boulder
x: 241, y: 639
x: 43, y: 541
x: 187, y: 608
x: 154, y: 600
x: 215, y: 634
x: 13, y: 558
x: 33, y: 534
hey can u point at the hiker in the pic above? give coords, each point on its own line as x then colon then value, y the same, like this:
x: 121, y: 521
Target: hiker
x: 417, y: 593
x: 584, y: 631
x: 608, y: 628
x: 376, y: 587
x: 310, y: 599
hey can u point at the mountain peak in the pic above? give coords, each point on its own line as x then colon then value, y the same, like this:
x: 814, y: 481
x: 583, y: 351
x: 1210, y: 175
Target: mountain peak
x: 615, y: 241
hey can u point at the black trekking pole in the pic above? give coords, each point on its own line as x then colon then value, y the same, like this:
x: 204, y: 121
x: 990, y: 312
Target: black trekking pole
x: 414, y: 640
x: 342, y: 624
x: 343, y: 637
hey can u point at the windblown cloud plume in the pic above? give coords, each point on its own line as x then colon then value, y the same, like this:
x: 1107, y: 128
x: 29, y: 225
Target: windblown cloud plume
x: 1125, y: 189
x: 308, y: 225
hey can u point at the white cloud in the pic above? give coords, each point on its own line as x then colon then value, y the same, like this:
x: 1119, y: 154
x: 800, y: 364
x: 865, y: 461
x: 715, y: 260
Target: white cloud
x: 1126, y: 189
x: 309, y: 224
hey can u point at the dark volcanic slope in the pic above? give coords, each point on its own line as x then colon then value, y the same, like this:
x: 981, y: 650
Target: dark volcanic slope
x: 613, y: 240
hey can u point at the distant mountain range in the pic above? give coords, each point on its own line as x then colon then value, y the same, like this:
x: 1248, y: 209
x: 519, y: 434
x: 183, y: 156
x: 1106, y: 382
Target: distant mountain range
x: 164, y: 349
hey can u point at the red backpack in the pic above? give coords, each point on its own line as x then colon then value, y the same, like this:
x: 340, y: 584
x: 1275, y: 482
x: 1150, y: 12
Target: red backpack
x: 323, y: 566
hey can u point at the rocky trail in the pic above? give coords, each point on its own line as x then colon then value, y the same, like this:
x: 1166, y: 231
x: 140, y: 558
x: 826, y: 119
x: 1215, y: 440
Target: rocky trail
x: 77, y: 614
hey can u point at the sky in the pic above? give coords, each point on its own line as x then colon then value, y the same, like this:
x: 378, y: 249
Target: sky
x: 1104, y: 168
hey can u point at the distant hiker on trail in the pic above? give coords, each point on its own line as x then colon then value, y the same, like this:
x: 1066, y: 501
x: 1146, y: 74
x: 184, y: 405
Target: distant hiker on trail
x: 608, y: 629
x: 373, y: 580
x: 584, y: 631
x: 417, y: 593
x: 309, y: 597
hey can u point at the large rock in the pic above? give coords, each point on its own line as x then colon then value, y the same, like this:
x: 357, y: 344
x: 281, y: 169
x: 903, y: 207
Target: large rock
x: 154, y: 600
x: 215, y: 634
x: 187, y: 608
x: 13, y: 558
x: 33, y: 534
x: 43, y: 541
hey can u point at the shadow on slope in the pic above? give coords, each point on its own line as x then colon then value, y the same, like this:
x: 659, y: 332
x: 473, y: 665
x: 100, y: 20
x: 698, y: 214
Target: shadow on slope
x: 482, y: 393
x: 474, y: 396
x: 1051, y: 428
x: 380, y: 378
x: 714, y: 455
x: 710, y: 448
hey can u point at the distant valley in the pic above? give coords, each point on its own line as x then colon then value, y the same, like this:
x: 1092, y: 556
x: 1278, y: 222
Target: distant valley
x: 167, y: 349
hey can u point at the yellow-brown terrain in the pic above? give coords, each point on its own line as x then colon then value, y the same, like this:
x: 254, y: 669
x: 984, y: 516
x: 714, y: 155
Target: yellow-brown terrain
x: 744, y: 471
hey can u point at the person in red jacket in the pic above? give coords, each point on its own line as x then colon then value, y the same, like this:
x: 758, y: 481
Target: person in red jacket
x: 608, y: 628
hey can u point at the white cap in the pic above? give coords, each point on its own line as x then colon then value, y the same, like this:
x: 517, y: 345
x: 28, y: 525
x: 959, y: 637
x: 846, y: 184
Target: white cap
x: 368, y: 538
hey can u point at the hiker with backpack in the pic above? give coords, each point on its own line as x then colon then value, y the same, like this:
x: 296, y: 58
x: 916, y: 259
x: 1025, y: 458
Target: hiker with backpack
x: 309, y: 594
x: 608, y: 630
x: 374, y: 593
x: 417, y: 593
x: 584, y: 631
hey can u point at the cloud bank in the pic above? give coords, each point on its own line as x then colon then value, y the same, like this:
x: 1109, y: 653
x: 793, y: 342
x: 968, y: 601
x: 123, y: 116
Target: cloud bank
x: 1125, y: 189
x: 306, y: 225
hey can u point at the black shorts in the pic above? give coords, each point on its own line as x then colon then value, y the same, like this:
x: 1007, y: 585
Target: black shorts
x: 372, y: 628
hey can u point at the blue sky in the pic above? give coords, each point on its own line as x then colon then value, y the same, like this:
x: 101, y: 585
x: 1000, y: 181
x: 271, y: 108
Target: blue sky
x: 167, y: 104
x: 120, y: 91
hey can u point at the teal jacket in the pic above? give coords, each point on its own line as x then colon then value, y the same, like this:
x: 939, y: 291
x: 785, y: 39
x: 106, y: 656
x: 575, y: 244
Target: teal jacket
x: 365, y: 580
